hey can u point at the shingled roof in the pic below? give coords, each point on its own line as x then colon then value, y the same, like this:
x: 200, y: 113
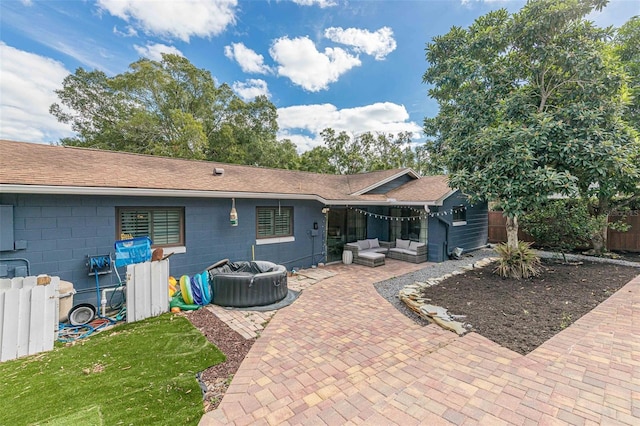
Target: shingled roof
x: 38, y: 168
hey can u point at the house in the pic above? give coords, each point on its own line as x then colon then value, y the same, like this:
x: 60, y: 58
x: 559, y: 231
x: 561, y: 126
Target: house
x: 61, y: 205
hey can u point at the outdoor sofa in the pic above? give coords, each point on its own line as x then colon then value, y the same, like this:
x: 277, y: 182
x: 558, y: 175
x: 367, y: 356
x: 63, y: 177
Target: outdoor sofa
x: 370, y: 252
x: 408, y: 251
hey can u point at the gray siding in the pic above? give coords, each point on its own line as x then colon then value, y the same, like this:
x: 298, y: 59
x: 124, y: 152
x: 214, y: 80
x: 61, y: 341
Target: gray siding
x: 444, y: 237
x: 61, y: 231
x: 383, y: 189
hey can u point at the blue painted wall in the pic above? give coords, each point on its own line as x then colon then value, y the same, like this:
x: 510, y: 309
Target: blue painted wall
x: 443, y: 237
x: 61, y: 231
x: 376, y: 227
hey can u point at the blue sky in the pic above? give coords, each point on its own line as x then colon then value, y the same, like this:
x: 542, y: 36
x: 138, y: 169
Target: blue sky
x: 350, y: 65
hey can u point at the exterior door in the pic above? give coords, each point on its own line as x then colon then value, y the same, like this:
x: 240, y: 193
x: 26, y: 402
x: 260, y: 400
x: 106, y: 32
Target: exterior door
x: 343, y: 226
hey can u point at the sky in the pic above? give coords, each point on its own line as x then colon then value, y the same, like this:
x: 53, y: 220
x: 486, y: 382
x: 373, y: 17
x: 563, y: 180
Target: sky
x: 352, y: 65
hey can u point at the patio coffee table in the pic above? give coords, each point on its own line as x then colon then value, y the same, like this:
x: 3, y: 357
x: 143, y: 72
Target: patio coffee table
x: 369, y: 259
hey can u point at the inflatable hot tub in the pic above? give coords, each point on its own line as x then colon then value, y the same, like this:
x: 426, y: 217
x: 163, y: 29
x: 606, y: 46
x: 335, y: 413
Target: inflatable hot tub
x: 245, y: 284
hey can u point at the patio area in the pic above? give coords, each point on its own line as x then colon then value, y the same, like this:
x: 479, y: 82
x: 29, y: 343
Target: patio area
x: 341, y: 354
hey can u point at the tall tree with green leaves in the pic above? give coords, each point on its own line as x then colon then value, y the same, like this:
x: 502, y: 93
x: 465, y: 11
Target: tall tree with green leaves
x: 171, y: 108
x: 365, y: 152
x: 626, y: 49
x: 530, y: 106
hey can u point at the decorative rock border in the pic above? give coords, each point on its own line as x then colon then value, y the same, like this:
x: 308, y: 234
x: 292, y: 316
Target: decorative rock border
x: 411, y: 295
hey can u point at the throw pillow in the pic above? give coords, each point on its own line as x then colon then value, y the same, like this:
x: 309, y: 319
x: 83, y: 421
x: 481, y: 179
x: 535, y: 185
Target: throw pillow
x: 403, y: 244
x: 363, y: 244
x: 413, y: 245
x: 374, y: 243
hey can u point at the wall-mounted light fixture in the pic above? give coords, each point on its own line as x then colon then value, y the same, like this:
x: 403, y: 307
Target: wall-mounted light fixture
x: 233, y: 216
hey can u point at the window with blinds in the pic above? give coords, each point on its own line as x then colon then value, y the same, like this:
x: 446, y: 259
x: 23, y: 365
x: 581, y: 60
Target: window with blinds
x: 273, y: 222
x: 164, y: 226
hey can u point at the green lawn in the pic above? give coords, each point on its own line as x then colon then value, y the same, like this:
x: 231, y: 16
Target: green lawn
x: 134, y: 374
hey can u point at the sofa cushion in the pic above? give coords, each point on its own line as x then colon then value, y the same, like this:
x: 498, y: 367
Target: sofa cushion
x: 403, y: 251
x: 413, y: 245
x: 363, y: 244
x: 374, y: 243
x: 402, y: 244
x: 371, y: 255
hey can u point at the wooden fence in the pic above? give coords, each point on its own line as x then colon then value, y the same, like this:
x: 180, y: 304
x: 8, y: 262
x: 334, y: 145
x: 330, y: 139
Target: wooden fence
x: 623, y: 241
x: 28, y: 316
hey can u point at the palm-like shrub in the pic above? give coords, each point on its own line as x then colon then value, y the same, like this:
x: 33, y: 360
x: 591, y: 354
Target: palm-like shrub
x: 519, y: 262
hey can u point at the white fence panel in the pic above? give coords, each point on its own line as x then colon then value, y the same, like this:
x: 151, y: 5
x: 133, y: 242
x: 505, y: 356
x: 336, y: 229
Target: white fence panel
x: 147, y: 290
x: 28, y: 316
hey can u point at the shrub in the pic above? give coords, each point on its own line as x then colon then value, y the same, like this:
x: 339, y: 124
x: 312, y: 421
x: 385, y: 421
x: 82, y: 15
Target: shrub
x: 560, y: 225
x: 520, y: 262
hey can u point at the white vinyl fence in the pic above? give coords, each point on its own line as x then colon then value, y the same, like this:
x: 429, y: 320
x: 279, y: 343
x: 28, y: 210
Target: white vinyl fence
x: 29, y: 313
x: 28, y: 316
x: 147, y: 289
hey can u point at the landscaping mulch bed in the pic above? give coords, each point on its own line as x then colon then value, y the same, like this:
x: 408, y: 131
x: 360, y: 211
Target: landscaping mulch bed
x: 523, y: 314
x: 216, y: 379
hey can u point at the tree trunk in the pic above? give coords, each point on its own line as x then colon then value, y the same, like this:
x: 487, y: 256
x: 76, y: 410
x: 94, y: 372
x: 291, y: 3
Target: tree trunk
x: 512, y: 232
x: 599, y: 238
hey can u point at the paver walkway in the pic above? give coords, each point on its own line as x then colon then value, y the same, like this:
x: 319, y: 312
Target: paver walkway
x: 341, y: 354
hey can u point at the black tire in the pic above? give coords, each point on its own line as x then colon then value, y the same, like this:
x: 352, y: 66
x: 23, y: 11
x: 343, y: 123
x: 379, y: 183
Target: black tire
x: 82, y: 314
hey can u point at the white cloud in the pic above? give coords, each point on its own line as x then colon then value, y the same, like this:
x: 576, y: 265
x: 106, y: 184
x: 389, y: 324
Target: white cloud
x: 377, y: 44
x: 27, y: 84
x: 321, y: 3
x: 384, y: 117
x: 250, y: 89
x: 128, y: 32
x: 305, y: 66
x: 180, y: 19
x: 155, y: 51
x: 248, y: 60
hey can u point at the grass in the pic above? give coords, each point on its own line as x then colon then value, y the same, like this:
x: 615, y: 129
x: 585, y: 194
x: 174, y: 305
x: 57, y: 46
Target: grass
x: 138, y: 373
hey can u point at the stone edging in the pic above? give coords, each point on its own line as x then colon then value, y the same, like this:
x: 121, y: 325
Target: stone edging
x: 411, y: 296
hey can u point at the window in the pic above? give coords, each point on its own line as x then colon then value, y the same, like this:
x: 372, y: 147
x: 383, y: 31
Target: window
x: 356, y: 226
x: 409, y: 227
x: 274, y: 222
x: 459, y: 215
x: 164, y: 225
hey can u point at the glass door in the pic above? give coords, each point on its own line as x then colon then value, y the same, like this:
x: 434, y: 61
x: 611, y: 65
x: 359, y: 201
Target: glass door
x: 343, y: 226
x: 336, y: 230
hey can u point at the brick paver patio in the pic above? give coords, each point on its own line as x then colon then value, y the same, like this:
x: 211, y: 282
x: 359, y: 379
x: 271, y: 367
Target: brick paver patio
x: 341, y: 354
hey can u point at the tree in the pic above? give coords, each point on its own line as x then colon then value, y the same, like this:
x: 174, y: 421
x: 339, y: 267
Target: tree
x: 626, y: 48
x: 170, y: 108
x: 317, y: 160
x: 365, y: 152
x: 530, y: 106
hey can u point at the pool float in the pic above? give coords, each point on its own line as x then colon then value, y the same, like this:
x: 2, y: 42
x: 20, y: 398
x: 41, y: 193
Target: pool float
x: 196, y: 290
x: 206, y: 288
x: 185, y: 289
x: 173, y: 286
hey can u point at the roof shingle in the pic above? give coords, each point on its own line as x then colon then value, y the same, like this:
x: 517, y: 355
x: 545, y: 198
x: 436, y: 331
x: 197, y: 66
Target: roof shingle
x: 57, y: 166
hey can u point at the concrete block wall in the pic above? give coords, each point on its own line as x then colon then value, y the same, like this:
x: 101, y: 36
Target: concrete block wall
x: 61, y: 231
